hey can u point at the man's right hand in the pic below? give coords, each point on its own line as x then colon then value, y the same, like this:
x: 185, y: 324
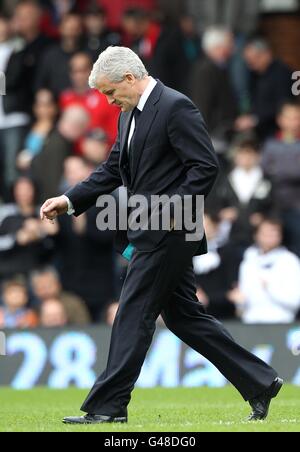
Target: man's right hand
x: 54, y: 207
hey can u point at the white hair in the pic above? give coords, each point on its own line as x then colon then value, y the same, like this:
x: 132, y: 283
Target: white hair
x: 114, y: 63
x: 214, y: 37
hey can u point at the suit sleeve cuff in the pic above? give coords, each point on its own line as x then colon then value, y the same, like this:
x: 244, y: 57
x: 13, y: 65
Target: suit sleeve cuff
x: 71, y: 209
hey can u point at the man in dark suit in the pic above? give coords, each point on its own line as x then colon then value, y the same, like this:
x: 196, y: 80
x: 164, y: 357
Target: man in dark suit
x: 162, y: 148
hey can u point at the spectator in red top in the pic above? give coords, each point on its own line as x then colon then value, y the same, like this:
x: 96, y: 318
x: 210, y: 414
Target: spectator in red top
x: 102, y: 114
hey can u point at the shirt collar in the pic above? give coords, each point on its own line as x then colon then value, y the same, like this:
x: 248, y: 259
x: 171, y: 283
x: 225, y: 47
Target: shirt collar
x: 146, y: 94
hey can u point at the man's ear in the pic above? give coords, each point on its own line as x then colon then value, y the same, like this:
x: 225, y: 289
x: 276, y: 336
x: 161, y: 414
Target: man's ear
x: 130, y: 78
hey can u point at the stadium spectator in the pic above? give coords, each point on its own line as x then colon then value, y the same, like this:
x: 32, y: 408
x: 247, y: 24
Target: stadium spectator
x: 116, y: 9
x: 269, y: 281
x: 13, y: 125
x: 54, y: 69
x: 25, y: 62
x: 171, y: 11
x: 60, y: 145
x: 92, y: 277
x: 14, y: 313
x: 97, y: 36
x: 76, y: 169
x: 21, y: 63
x: 141, y: 34
x: 244, y: 196
x: 95, y: 147
x: 101, y: 113
x: 217, y: 271
x: 212, y: 89
x: 191, y: 39
x: 281, y: 163
x: 270, y: 87
x: 45, y: 111
x: 240, y: 16
x: 176, y: 52
x: 53, y: 13
x: 22, y: 235
x: 46, y: 286
x: 53, y: 314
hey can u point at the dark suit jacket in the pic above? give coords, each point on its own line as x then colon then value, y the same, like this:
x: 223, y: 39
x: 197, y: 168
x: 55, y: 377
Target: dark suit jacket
x: 269, y: 91
x: 172, y: 154
x: 212, y: 92
x: 20, y: 73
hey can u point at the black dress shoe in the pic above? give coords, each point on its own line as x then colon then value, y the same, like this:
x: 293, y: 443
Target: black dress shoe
x: 89, y: 419
x: 261, y: 404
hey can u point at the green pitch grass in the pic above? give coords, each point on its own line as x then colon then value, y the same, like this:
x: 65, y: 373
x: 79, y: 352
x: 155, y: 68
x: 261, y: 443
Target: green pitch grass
x: 151, y: 410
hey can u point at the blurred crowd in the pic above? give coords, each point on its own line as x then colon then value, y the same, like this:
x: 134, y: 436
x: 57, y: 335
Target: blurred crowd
x: 55, y: 130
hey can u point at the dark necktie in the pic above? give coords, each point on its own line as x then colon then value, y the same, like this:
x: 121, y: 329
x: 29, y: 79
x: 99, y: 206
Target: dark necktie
x: 136, y: 116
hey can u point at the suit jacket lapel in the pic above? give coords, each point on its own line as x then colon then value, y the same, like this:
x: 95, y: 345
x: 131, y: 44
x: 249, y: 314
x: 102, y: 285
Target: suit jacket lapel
x: 124, y: 163
x: 145, y: 122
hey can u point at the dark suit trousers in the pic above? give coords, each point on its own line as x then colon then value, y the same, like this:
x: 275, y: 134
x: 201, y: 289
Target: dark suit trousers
x: 161, y: 281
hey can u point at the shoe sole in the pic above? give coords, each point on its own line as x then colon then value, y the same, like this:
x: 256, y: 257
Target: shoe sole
x: 117, y: 420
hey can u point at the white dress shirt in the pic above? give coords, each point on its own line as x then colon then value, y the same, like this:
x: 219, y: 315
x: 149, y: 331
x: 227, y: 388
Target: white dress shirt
x: 141, y: 105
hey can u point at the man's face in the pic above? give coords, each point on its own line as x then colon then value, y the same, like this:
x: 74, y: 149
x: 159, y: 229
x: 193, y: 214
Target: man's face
x: 257, y: 60
x: 289, y: 120
x: 24, y: 192
x: 46, y: 286
x: 80, y: 69
x: 247, y: 159
x: 53, y: 314
x: 123, y: 94
x: 95, y: 151
x: 94, y: 23
x: 26, y: 18
x: 76, y: 170
x: 269, y: 237
x: 15, y: 297
x: 71, y: 28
